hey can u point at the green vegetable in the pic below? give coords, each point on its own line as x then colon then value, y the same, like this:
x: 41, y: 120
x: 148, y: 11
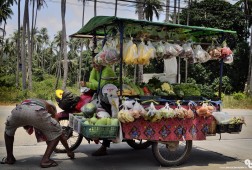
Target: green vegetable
x: 186, y: 89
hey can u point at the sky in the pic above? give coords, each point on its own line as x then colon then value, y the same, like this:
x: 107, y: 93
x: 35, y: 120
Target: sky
x: 50, y: 15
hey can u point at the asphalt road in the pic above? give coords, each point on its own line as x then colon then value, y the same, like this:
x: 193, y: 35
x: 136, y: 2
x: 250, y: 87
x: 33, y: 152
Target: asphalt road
x: 228, y: 153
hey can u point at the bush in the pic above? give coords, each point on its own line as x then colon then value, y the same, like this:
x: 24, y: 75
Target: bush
x: 239, y: 96
x: 38, y: 75
x: 8, y: 80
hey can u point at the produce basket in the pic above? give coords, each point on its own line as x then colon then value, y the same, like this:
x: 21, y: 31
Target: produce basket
x: 229, y: 128
x: 77, y: 121
x: 99, y: 131
x: 71, y: 119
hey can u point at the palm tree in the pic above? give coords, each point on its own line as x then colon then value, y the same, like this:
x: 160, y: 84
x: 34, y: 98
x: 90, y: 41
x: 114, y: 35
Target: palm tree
x: 5, y: 12
x: 152, y: 7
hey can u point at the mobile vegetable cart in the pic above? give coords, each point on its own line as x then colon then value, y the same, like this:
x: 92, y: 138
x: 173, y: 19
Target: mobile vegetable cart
x: 171, y: 134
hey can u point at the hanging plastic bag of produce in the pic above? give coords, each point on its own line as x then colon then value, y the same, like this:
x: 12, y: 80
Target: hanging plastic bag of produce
x: 178, y: 48
x: 167, y: 112
x: 151, y: 110
x: 229, y: 59
x: 188, y: 51
x: 170, y: 51
x: 100, y: 58
x: 130, y: 53
x: 144, y: 54
x: 201, y: 55
x: 151, y: 47
x: 160, y: 49
x: 124, y: 115
x: 111, y: 56
x: 225, y: 50
x: 215, y: 52
x: 180, y: 112
x: 190, y: 111
x: 206, y: 110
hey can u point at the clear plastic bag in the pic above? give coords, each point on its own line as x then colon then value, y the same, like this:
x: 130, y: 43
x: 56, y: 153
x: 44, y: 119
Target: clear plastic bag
x: 151, y: 47
x: 229, y: 59
x: 152, y: 110
x: 144, y: 54
x: 167, y: 112
x: 180, y: 112
x: 178, y: 48
x: 160, y: 49
x: 201, y: 55
x: 111, y: 56
x: 130, y: 55
x: 170, y: 51
x: 188, y: 51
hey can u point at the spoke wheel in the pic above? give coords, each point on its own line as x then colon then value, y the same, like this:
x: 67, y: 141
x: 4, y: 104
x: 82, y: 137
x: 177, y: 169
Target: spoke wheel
x: 138, y: 144
x: 170, y: 153
x: 73, y: 138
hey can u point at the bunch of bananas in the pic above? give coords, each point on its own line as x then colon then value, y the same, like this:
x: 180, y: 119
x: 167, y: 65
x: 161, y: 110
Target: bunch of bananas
x: 124, y: 116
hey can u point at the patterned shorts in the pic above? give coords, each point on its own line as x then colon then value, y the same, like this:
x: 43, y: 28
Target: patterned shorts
x: 33, y: 115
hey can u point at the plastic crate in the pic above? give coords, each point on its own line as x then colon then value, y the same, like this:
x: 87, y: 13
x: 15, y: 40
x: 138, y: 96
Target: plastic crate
x: 99, y: 131
x: 77, y: 121
x: 71, y: 119
x: 221, y: 128
x: 234, y: 128
x: 229, y: 128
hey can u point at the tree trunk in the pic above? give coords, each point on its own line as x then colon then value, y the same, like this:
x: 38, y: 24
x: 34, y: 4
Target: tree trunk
x: 250, y: 66
x: 140, y: 9
x: 18, y: 46
x: 167, y: 11
x: 29, y: 51
x: 178, y: 16
x: 80, y: 61
x: 23, y: 49
x: 64, y: 44
x: 175, y: 12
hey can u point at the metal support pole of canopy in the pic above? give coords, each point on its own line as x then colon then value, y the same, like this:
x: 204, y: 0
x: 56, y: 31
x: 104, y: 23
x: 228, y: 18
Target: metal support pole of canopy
x: 221, y: 74
x: 121, y: 30
x: 99, y: 82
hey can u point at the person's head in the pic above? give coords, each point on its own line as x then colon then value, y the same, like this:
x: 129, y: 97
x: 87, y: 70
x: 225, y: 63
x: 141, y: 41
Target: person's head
x: 95, y: 65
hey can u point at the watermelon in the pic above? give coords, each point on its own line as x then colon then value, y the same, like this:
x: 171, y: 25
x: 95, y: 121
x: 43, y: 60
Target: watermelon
x: 88, y: 110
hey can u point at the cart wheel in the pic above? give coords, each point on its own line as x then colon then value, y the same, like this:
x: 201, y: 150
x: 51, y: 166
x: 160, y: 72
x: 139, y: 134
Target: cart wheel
x: 171, y: 153
x: 73, y: 138
x: 138, y: 144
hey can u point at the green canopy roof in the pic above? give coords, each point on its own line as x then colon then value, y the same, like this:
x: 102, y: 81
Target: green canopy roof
x: 101, y: 25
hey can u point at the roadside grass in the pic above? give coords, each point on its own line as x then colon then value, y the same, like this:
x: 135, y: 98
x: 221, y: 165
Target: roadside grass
x: 230, y: 102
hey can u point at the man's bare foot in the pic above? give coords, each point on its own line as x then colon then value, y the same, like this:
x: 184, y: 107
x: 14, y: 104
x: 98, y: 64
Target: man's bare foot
x: 7, y: 160
x: 70, y: 155
x: 48, y: 164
